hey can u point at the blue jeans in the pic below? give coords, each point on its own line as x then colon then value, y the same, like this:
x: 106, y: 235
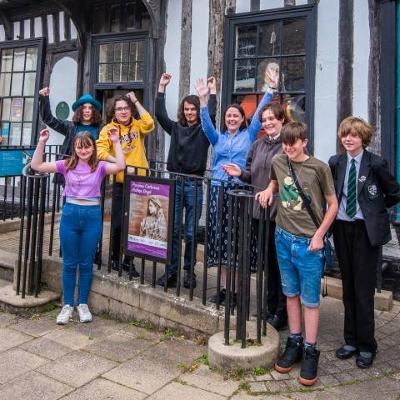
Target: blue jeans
x: 300, y: 268
x: 80, y: 232
x: 186, y: 200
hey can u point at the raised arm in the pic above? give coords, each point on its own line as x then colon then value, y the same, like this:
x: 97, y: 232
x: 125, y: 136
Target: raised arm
x: 255, y: 124
x: 212, y: 98
x: 206, y: 123
x: 62, y: 127
x: 104, y: 145
x: 146, y: 122
x: 37, y: 162
x: 160, y: 110
x: 119, y: 164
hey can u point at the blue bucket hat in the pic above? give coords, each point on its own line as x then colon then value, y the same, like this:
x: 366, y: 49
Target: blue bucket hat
x: 86, y: 98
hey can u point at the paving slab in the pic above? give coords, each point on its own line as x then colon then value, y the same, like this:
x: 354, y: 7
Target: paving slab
x: 176, y: 390
x: 69, y: 337
x: 119, y: 347
x: 7, y: 319
x: 143, y: 374
x: 47, y: 348
x: 33, y: 386
x: 77, y: 368
x: 10, y: 338
x: 37, y: 325
x: 102, y: 389
x: 15, y: 362
x: 203, y: 378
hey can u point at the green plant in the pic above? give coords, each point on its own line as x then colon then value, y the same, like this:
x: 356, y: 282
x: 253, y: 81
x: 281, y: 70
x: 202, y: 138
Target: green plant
x: 203, y: 359
x: 257, y: 371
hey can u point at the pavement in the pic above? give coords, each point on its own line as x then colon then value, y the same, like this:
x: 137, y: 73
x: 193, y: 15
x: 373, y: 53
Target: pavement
x: 108, y: 359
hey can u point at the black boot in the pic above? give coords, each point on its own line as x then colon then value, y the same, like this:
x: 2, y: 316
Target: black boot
x: 293, y: 353
x: 221, y: 295
x: 186, y: 280
x: 309, y: 366
x: 171, y: 280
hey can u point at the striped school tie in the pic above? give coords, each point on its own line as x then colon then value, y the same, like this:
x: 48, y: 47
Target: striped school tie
x: 351, y: 207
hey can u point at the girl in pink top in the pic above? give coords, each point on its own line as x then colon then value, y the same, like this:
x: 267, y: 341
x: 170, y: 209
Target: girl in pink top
x: 81, y: 223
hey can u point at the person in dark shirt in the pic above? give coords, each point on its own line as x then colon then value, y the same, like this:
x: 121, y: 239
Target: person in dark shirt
x: 188, y: 153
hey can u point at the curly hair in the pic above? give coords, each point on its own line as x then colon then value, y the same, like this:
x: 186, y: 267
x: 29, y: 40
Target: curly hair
x: 121, y: 97
x: 96, y: 116
x: 278, y: 111
x: 193, y: 100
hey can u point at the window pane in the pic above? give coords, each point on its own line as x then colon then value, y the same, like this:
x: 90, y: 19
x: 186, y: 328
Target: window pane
x: 118, y: 52
x: 105, y: 72
x: 295, y: 106
x: 120, y: 73
x: 266, y: 70
x: 5, y: 114
x: 106, y: 53
x: 16, y: 109
x: 5, y: 82
x: 136, y: 52
x: 31, y: 59
x: 15, y: 134
x: 136, y: 72
x: 6, y: 60
x: 19, y: 59
x: 246, y: 39
x: 294, y: 34
x: 269, y: 39
x: 293, y: 72
x: 245, y: 75
x: 4, y: 132
x: 16, y: 84
x: 29, y: 83
x: 28, y: 109
x: 26, y: 134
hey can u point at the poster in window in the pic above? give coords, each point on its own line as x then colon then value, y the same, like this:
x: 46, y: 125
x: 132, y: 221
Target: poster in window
x: 148, y: 217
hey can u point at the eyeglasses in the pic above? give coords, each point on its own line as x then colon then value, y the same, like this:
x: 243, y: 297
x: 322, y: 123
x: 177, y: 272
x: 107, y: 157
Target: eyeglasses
x: 122, y: 109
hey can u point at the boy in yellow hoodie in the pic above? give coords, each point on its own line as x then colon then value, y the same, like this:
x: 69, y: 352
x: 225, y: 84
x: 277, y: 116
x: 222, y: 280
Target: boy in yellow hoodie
x: 131, y: 132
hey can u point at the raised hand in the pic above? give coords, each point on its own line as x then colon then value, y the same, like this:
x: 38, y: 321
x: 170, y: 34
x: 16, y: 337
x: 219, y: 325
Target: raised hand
x: 132, y: 96
x: 201, y: 88
x: 113, y: 134
x: 165, y: 79
x: 44, y: 136
x: 212, y: 84
x: 272, y: 75
x: 232, y: 169
x: 45, y: 91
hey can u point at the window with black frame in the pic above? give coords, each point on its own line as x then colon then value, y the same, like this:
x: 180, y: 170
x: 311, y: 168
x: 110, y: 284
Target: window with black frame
x: 18, y: 73
x: 260, y: 48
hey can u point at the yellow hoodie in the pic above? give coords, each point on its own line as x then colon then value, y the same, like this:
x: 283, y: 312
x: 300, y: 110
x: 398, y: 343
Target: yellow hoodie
x: 131, y: 139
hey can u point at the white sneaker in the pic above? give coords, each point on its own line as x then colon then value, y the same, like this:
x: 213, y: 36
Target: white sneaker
x: 65, y: 315
x: 84, y: 314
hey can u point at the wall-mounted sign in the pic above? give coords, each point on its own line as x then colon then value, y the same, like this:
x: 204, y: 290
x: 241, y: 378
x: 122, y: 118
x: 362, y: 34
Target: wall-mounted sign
x: 62, y: 110
x: 12, y: 161
x: 149, y: 217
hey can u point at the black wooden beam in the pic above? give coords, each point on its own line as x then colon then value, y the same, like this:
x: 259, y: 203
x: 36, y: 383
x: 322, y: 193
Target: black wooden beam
x: 345, y: 73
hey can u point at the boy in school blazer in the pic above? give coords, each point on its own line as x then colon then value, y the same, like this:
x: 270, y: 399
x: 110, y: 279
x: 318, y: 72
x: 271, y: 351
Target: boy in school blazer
x: 365, y: 190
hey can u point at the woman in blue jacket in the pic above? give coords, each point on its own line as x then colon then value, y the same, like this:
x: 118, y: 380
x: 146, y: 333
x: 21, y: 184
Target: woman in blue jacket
x: 229, y: 146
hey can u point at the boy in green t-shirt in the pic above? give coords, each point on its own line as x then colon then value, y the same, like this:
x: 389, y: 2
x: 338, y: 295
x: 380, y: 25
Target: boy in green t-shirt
x: 305, y: 187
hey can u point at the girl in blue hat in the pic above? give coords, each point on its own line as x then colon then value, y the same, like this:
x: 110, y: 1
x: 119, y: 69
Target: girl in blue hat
x: 87, y: 117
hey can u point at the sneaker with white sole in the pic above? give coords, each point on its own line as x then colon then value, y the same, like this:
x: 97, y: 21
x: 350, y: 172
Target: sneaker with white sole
x: 84, y: 314
x: 65, y: 315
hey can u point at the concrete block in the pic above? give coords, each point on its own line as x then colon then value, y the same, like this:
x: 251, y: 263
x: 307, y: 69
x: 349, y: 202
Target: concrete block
x: 232, y: 356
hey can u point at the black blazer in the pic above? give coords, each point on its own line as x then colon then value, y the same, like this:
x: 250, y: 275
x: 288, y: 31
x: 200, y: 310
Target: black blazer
x: 377, y: 191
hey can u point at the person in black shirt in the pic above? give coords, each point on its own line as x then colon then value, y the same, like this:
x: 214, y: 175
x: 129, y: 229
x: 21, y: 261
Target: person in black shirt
x: 187, y: 155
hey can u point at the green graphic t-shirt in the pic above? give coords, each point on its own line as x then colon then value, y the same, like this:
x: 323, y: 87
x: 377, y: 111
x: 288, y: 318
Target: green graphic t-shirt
x: 315, y: 179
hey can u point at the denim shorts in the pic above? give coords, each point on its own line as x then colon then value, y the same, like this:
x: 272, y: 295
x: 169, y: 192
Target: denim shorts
x: 300, y: 268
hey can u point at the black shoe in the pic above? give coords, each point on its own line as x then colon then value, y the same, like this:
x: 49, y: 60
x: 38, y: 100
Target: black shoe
x: 293, y: 353
x: 171, y: 280
x: 365, y: 360
x: 186, y: 280
x: 221, y: 295
x: 309, y: 366
x: 278, y: 322
x: 344, y: 353
x: 125, y: 267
